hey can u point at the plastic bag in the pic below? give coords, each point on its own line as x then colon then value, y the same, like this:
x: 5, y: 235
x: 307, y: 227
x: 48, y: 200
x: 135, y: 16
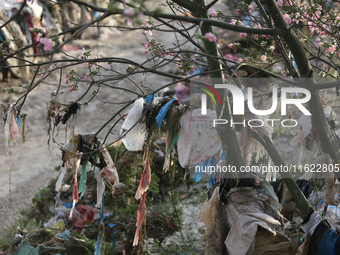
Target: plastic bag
x: 134, y: 139
x: 81, y: 215
x: 198, y: 139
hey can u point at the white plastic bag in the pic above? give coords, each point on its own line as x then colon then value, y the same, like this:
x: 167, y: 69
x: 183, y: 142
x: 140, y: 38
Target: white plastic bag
x: 134, y: 139
x: 198, y: 139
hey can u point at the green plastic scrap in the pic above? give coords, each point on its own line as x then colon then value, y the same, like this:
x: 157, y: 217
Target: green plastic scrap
x: 83, y: 179
x: 27, y: 249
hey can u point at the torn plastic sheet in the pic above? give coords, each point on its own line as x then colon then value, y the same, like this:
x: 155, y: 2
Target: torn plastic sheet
x: 140, y: 215
x: 81, y: 215
x: 66, y: 235
x: 100, y: 191
x: 114, y: 237
x: 110, y: 172
x: 150, y: 98
x: 60, y: 179
x: 134, y: 139
x: 83, y: 179
x: 98, y: 247
x: 27, y: 249
x: 75, y: 194
x: 241, y: 238
x: 11, y: 128
x: 163, y: 111
x: 145, y: 179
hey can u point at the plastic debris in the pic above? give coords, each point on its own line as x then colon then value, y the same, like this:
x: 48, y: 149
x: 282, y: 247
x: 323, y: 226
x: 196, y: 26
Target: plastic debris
x: 140, y: 216
x: 98, y: 247
x: 144, y: 180
x: 134, y: 139
x: 27, y: 249
x: 66, y: 235
x: 11, y: 128
x: 197, y: 140
x: 164, y: 110
x: 83, y: 179
x: 75, y: 194
x: 241, y: 238
x: 81, y: 215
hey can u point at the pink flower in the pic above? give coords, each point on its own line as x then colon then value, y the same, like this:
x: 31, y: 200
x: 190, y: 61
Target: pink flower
x: 264, y: 58
x: 145, y: 23
x: 128, y: 11
x: 86, y: 64
x: 210, y: 37
x: 287, y: 18
x: 243, y: 34
x: 213, y: 14
x: 86, y: 77
x: 230, y: 45
x: 256, y: 37
x: 251, y: 8
x: 272, y: 48
x: 279, y: 2
x: 47, y: 42
x: 331, y: 49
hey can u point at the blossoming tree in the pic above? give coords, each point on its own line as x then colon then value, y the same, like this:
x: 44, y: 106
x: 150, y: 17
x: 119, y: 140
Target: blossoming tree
x: 299, y: 38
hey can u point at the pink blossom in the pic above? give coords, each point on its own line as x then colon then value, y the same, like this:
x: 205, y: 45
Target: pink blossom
x: 95, y: 65
x: 251, y: 8
x: 128, y: 11
x: 230, y: 45
x: 243, y: 34
x: 331, y: 49
x: 256, y: 37
x: 230, y: 56
x: 47, y: 42
x: 213, y: 14
x: 86, y: 77
x: 264, y: 58
x: 312, y: 27
x: 279, y: 2
x: 287, y: 18
x: 272, y: 48
x: 145, y: 23
x: 210, y: 37
x: 320, y: 44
